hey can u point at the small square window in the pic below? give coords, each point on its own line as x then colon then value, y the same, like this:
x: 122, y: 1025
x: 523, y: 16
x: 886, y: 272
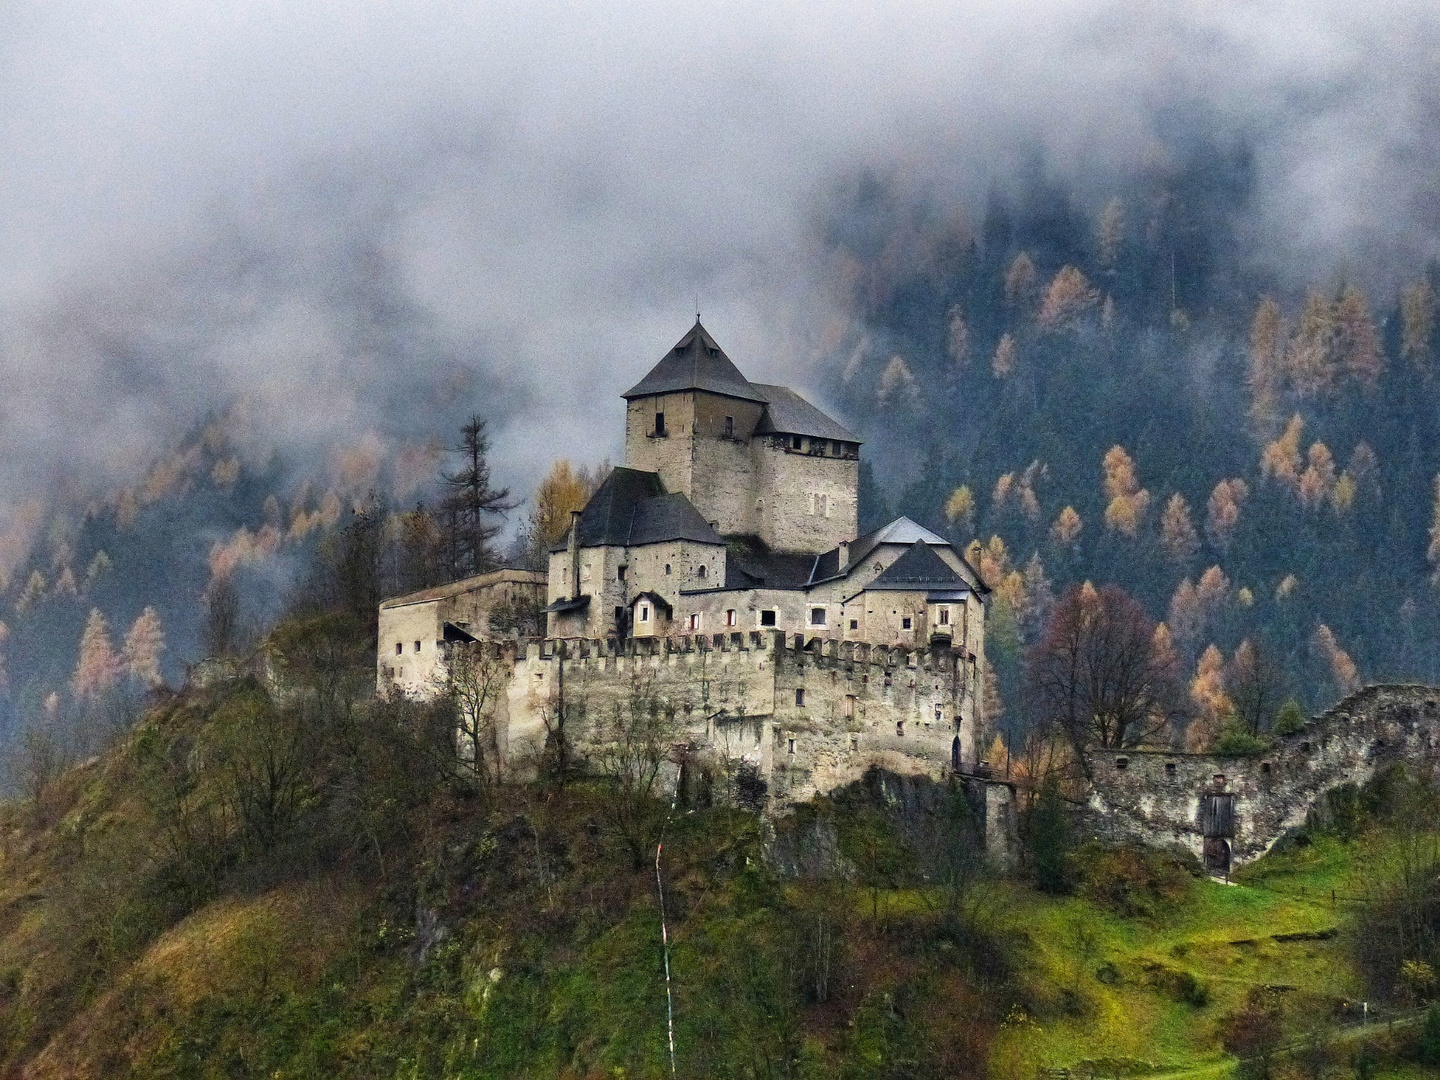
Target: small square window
x: 817, y: 616
x: 795, y: 442
x: 1170, y: 768
x: 854, y: 624
x: 905, y: 623
x: 767, y: 618
x: 799, y: 695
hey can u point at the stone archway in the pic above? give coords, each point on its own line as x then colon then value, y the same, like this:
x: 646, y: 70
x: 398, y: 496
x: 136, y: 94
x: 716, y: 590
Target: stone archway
x: 1217, y: 855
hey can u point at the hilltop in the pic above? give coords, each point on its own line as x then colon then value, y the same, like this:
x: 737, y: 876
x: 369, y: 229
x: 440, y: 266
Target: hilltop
x: 306, y: 886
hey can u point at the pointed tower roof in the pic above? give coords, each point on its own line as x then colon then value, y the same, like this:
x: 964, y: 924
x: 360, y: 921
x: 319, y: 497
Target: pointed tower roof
x: 695, y: 363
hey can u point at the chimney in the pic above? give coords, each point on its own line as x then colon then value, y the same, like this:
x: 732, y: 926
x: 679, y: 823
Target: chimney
x: 574, y: 552
x: 844, y: 554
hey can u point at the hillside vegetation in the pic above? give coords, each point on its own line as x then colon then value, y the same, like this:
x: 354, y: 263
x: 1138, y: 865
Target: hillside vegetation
x: 310, y: 885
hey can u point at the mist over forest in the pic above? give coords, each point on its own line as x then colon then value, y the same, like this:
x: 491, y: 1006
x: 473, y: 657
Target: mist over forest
x: 997, y: 246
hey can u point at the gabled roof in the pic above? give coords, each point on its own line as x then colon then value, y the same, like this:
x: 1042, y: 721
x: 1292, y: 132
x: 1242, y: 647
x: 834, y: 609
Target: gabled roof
x: 900, y: 531
x: 920, y: 569
x: 661, y: 604
x: 695, y: 363
x: 787, y: 413
x: 465, y: 585
x: 751, y: 564
x: 632, y: 508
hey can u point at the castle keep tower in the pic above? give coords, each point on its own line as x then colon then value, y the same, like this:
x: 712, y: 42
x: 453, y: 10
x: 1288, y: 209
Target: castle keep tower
x: 755, y: 460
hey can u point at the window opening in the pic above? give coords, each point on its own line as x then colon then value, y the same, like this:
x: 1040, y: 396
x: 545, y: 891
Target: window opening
x: 695, y: 621
x: 417, y: 646
x: 799, y: 695
x: 399, y: 649
x: 1122, y: 763
x: 644, y: 612
x: 1170, y: 768
x: 659, y: 423
x: 944, y: 616
x: 854, y: 624
x: 730, y: 617
x: 849, y: 706
x: 817, y: 616
x: 701, y: 572
x: 795, y: 442
x: 667, y: 568
x: 905, y: 623
x: 792, y: 746
x: 767, y: 618
x: 620, y: 572
x: 900, y: 728
x: 729, y: 427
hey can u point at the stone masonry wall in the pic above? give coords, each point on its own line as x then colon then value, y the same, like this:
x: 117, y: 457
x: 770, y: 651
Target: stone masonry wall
x: 1154, y: 797
x: 806, y: 718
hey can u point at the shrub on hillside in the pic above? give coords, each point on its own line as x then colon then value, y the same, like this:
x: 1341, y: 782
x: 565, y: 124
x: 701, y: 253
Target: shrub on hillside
x: 1235, y: 740
x: 1290, y: 719
x: 1134, y: 881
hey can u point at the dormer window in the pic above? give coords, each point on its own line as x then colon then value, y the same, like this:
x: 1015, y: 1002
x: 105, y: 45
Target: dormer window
x: 659, y: 424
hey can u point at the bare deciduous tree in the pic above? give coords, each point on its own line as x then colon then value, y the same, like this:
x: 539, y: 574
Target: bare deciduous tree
x: 1097, y: 675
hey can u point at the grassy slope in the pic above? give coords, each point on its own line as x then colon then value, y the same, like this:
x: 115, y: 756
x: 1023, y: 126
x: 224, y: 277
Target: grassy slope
x: 549, y: 964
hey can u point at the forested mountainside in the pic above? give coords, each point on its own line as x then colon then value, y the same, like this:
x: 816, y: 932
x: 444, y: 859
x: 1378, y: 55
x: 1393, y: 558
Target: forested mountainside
x: 1124, y: 392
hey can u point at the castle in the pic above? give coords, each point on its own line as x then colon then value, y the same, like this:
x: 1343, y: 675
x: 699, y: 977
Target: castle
x: 720, y: 567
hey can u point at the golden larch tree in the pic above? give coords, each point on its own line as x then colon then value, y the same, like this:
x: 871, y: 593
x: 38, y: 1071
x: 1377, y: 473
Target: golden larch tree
x: 1356, y: 344
x: 1223, y: 511
x: 1177, y: 531
x: 1417, y: 322
x: 1185, y: 615
x: 144, y: 642
x: 897, y: 382
x: 1067, y: 527
x: 1280, y: 460
x: 1003, y: 362
x: 1069, y: 296
x: 1309, y: 360
x: 1213, y: 592
x: 1342, y: 667
x: 1267, y: 352
x: 98, y: 667
x: 1286, y: 588
x: 1127, y: 500
x: 960, y: 508
x: 1212, y: 704
x: 1019, y: 279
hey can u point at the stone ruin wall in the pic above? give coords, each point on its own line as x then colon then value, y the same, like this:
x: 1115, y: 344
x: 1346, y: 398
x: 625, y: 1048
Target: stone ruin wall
x: 735, y: 701
x: 1153, y: 797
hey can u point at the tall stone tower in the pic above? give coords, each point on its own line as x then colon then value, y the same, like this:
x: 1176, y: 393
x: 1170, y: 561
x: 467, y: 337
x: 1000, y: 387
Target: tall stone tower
x: 755, y: 460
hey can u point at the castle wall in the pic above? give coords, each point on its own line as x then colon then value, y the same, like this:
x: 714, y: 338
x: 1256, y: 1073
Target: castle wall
x: 789, y: 486
x: 1155, y: 798
x: 807, y: 720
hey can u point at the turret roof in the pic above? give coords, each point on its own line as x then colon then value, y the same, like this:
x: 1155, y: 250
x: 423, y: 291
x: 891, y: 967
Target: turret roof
x: 632, y: 508
x: 919, y: 569
x: 695, y: 363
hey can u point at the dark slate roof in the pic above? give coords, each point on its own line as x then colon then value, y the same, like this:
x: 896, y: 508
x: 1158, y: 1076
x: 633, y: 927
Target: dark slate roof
x: 919, y: 569
x: 900, y: 531
x: 632, y: 508
x: 575, y: 604
x: 661, y: 604
x: 695, y: 363
x: 750, y: 564
x: 787, y: 413
x: 670, y: 517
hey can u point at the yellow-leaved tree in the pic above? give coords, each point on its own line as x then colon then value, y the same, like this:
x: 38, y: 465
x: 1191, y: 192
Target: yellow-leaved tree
x: 1223, y: 511
x: 1003, y: 363
x: 1356, y: 344
x: 1127, y: 500
x: 1067, y: 527
x: 1309, y: 361
x: 1069, y: 296
x: 1177, y: 531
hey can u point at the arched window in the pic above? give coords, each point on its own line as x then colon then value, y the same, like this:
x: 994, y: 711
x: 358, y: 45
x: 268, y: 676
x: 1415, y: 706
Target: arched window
x: 700, y: 573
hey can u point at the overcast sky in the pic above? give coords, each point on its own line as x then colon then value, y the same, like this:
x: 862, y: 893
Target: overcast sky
x: 356, y: 218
